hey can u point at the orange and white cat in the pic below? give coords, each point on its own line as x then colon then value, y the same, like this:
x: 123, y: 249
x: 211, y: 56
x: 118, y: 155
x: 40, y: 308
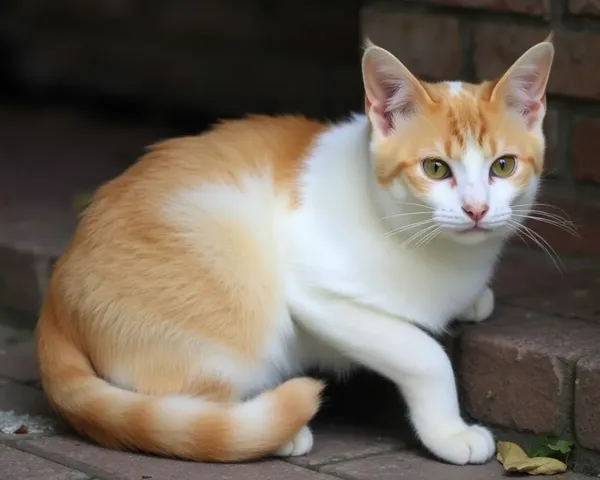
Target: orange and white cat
x: 203, y: 281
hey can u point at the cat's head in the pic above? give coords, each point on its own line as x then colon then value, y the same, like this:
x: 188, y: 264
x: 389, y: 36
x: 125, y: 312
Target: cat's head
x: 468, y: 157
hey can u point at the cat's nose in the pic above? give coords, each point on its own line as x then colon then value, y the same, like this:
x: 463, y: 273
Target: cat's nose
x: 475, y: 211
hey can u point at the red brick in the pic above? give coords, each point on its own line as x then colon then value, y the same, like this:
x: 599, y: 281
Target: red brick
x: 336, y: 442
x: 428, y: 45
x: 575, y: 295
x: 587, y: 402
x: 584, y: 213
x: 586, y: 145
x: 210, y: 21
x: 17, y: 465
x: 552, y: 161
x: 22, y: 399
x: 319, y: 30
x: 575, y: 72
x: 414, y: 466
x: 516, y: 370
x: 584, y: 7
x: 524, y: 273
x: 23, y: 277
x: 130, y: 466
x: 529, y: 7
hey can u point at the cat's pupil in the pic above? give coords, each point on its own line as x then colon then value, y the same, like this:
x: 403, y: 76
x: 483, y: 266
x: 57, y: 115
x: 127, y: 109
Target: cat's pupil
x: 502, y: 164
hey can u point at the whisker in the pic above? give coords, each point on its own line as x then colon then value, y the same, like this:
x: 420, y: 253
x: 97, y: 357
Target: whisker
x: 557, y: 223
x: 421, y: 232
x: 429, y: 237
x: 398, y: 202
x: 529, y: 205
x: 540, y: 242
x: 543, y: 213
x: 409, y: 226
x: 404, y: 214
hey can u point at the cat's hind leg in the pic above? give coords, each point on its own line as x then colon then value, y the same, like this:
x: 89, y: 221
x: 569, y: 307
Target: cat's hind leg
x: 301, y: 444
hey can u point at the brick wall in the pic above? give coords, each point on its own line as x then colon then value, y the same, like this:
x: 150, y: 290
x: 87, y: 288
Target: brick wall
x: 478, y: 39
x: 225, y: 57
x: 229, y: 57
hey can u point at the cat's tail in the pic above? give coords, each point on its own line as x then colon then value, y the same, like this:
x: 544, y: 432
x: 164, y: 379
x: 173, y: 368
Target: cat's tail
x: 177, y: 426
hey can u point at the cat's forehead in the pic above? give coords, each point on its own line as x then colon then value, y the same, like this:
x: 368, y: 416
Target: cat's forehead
x: 464, y: 119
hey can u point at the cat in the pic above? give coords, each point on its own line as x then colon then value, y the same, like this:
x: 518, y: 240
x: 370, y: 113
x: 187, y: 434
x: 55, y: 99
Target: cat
x: 203, y: 281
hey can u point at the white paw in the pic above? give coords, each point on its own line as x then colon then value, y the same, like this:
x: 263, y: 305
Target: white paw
x: 481, y: 309
x: 300, y: 445
x: 472, y: 444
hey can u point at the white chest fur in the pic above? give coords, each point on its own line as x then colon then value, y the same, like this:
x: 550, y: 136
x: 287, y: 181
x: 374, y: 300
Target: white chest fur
x: 336, y: 244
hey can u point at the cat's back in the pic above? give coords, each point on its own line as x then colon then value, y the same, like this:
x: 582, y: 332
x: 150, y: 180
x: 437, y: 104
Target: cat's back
x: 231, y: 154
x: 194, y: 211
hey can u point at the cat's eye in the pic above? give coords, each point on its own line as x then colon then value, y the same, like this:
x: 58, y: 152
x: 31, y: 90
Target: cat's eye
x: 503, y: 167
x: 436, y: 168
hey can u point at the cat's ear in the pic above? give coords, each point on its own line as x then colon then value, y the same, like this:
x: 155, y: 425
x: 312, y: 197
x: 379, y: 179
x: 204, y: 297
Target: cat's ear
x: 523, y: 87
x: 392, y: 93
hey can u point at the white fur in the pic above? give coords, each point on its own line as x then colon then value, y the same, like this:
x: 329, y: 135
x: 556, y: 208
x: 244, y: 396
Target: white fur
x: 301, y: 445
x: 366, y: 293
x: 455, y: 88
x: 481, y: 309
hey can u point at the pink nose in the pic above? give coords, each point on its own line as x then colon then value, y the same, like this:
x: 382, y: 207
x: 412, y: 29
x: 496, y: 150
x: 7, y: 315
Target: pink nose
x: 475, y: 211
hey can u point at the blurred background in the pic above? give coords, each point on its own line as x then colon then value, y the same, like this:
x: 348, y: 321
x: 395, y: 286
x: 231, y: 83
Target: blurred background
x: 85, y: 85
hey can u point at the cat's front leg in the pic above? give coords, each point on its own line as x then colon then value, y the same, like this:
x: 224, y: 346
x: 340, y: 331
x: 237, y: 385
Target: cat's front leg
x: 414, y: 361
x: 482, y: 308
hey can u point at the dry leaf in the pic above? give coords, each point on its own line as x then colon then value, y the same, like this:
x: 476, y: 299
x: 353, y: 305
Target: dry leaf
x: 23, y: 429
x: 515, y: 459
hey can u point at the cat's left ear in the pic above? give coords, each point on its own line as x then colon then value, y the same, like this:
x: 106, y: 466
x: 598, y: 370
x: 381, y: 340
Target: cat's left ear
x: 523, y: 87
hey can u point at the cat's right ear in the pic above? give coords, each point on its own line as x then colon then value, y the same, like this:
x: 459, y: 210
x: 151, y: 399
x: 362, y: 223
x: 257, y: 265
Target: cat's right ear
x: 392, y: 93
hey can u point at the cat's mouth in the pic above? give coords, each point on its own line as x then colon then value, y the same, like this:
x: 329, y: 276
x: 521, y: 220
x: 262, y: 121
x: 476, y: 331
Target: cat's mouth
x: 473, y: 229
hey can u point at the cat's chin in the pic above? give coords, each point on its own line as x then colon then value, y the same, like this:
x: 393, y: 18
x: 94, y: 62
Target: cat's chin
x: 472, y: 236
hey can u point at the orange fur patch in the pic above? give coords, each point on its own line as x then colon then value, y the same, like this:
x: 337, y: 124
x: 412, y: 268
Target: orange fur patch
x: 445, y: 126
x: 130, y: 299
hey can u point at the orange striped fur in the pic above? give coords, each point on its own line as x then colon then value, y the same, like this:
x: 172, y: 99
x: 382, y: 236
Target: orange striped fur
x: 126, y: 292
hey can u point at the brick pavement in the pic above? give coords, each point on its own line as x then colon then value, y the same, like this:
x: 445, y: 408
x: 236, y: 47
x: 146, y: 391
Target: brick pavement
x: 344, y: 448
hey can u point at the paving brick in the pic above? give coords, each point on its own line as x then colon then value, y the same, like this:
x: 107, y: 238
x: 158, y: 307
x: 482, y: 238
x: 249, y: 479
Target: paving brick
x: 575, y: 295
x: 23, y: 277
x: 22, y: 399
x: 335, y: 442
x: 587, y: 402
x: 429, y: 46
x: 585, y: 145
x: 99, y: 461
x: 584, y: 7
x: 529, y: 7
x: 523, y: 273
x: 17, y: 465
x: 516, y: 370
x: 411, y: 466
x: 18, y: 363
x: 575, y: 71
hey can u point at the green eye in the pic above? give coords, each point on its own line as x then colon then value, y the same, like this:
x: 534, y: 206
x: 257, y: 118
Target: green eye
x: 436, y: 168
x: 503, y: 167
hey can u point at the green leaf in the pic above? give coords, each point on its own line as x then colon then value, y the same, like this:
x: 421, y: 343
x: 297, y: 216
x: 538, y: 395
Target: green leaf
x: 563, y: 446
